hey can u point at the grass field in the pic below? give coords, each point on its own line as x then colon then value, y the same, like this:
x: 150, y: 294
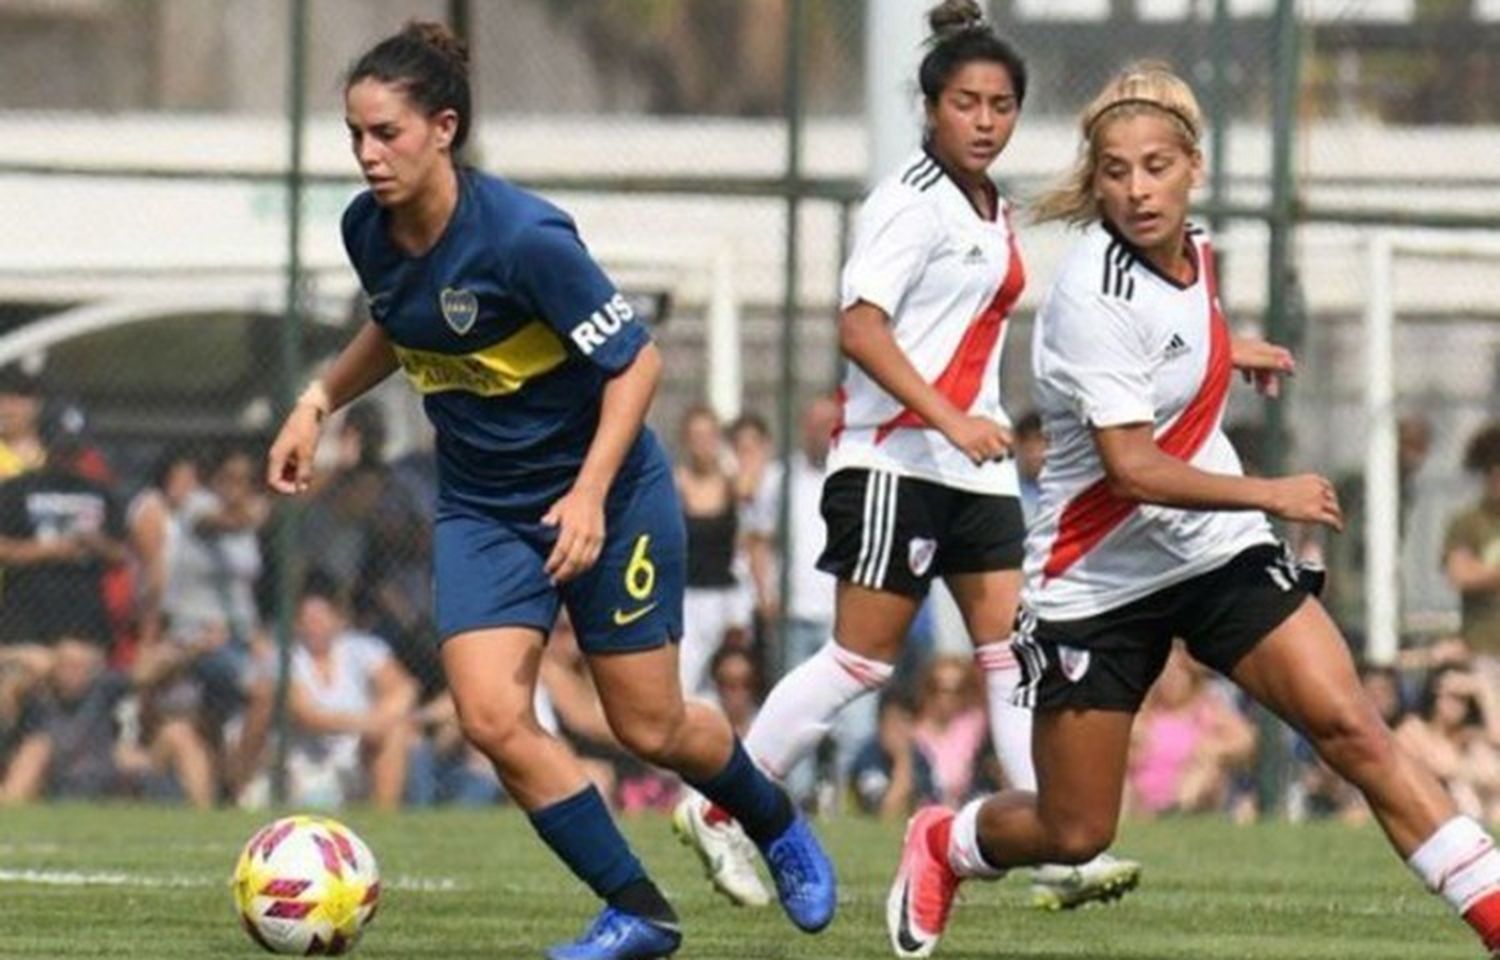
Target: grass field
x: 461, y: 884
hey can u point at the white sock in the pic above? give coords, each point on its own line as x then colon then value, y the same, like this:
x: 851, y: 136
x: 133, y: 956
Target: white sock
x: 1458, y: 862
x: 800, y: 710
x: 1010, y: 726
x: 964, y: 855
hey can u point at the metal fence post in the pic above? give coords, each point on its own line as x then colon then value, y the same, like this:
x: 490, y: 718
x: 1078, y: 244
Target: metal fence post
x: 287, y: 565
x: 787, y: 402
x: 1271, y: 758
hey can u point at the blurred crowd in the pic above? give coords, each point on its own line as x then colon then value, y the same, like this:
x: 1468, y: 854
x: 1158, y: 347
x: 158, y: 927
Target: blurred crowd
x: 137, y: 659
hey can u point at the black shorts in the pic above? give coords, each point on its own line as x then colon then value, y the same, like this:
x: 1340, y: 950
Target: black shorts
x: 894, y: 533
x: 1110, y: 661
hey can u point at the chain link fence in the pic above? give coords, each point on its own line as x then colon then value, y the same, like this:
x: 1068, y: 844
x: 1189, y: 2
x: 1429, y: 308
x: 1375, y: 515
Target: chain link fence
x: 143, y: 295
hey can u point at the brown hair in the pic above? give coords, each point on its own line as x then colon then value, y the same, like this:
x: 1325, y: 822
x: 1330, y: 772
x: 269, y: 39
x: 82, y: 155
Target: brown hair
x: 431, y: 66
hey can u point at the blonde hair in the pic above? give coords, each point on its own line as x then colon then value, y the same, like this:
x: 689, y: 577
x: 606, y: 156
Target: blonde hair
x: 1148, y: 86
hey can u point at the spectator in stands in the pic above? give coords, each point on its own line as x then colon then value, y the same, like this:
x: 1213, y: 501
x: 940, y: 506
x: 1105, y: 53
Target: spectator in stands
x: 1030, y: 448
x: 757, y: 484
x: 737, y: 686
x: 890, y: 777
x: 22, y: 667
x: 1471, y: 556
x: 71, y: 746
x: 951, y: 727
x: 213, y: 601
x: 713, y: 608
x: 1456, y: 733
x: 155, y: 521
x: 1187, y: 743
x: 21, y: 446
x: 351, y: 707
x: 201, y: 668
x: 59, y: 534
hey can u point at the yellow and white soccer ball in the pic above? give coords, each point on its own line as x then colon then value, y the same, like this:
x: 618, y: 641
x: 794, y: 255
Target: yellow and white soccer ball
x: 306, y: 886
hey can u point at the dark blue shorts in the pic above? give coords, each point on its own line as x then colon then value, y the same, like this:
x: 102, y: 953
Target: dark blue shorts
x: 488, y: 570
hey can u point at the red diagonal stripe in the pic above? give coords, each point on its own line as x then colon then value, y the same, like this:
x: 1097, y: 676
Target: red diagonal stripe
x: 284, y: 888
x: 1093, y: 514
x: 290, y: 909
x: 961, y: 379
x: 273, y: 839
x: 371, y: 895
x: 329, y: 854
x: 345, y: 848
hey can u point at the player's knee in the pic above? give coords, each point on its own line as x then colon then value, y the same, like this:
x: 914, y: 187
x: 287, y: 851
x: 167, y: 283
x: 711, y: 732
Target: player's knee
x: 502, y: 735
x: 653, y: 740
x: 1353, y: 739
x: 1081, y: 841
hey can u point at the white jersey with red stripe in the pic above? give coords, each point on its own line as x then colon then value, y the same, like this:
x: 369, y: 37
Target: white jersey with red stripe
x: 947, y: 278
x: 1117, y: 342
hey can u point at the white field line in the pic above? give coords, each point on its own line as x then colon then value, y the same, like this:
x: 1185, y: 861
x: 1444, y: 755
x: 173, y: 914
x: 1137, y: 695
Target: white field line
x: 73, y: 878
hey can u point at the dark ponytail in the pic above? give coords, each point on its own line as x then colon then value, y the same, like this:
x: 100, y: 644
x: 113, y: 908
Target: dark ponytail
x: 960, y: 35
x: 430, y: 65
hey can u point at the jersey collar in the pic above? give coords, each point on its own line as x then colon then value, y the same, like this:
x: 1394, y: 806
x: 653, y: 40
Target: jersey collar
x: 990, y: 190
x: 1140, y: 257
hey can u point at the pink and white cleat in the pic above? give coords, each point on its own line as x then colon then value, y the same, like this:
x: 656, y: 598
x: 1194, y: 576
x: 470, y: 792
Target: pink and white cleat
x: 921, y: 898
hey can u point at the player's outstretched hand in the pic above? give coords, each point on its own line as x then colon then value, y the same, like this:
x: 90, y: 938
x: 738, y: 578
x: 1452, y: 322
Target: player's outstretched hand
x: 980, y: 438
x: 579, y: 519
x: 1262, y: 363
x: 1306, y: 498
x: 289, y: 465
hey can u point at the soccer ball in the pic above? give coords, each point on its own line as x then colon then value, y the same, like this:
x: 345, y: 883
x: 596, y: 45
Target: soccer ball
x: 306, y: 885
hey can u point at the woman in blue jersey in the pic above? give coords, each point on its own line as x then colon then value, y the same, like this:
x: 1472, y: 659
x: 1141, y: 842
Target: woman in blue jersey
x: 536, y: 379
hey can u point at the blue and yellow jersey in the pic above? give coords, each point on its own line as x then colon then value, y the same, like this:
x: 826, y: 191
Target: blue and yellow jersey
x: 509, y: 330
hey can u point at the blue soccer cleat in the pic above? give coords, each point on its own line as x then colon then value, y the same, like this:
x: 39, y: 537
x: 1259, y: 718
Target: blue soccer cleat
x: 804, y: 876
x: 617, y: 935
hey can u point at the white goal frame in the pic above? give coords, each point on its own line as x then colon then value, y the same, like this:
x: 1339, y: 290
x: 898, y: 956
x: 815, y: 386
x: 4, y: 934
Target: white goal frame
x: 1382, y: 480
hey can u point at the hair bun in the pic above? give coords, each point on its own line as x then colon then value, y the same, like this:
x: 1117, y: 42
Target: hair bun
x: 440, y: 38
x: 954, y: 16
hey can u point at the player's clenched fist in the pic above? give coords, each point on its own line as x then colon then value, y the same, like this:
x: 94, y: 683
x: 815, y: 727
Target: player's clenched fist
x: 1306, y: 497
x: 289, y: 466
x: 980, y: 438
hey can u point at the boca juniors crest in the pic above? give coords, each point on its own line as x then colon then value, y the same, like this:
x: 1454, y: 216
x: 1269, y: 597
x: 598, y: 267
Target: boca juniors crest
x: 460, y: 309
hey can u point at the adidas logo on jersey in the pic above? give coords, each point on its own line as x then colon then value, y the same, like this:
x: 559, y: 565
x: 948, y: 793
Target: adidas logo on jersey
x: 1176, y: 347
x: 975, y: 256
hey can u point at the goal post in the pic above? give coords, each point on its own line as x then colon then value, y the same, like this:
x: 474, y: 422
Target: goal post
x: 1386, y: 250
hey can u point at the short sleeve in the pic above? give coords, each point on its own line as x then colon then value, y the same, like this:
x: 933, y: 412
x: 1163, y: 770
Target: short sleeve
x: 1091, y: 353
x: 368, y: 654
x: 560, y: 281
x: 891, y: 251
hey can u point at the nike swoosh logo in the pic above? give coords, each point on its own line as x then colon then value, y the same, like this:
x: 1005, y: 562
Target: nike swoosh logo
x: 623, y: 619
x: 908, y: 942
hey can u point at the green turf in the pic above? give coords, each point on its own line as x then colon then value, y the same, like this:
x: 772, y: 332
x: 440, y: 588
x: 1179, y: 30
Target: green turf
x: 1212, y: 892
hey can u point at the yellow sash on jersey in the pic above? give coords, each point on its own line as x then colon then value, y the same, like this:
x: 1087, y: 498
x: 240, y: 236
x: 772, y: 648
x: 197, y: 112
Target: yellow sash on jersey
x: 498, y: 369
